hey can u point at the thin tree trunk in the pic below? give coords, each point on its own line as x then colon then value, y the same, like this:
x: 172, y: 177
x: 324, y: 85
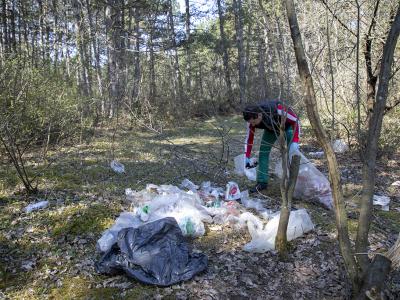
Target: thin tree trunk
x: 332, y: 78
x: 287, y: 190
x: 237, y: 4
x: 177, y: 72
x: 5, y: 26
x: 137, y: 70
x: 358, y: 74
x: 311, y: 105
x: 225, y: 56
x: 187, y: 49
x: 262, y: 80
x: 153, y: 86
x: 374, y: 131
x: 13, y: 30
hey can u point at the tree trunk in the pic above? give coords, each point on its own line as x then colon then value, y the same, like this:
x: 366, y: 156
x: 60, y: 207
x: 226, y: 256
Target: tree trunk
x: 187, y: 49
x: 83, y: 81
x: 177, y: 72
x: 374, y: 131
x: 237, y: 4
x: 287, y: 190
x: 225, y: 56
x: 262, y: 80
x: 375, y: 278
x: 153, y: 86
x: 334, y: 176
x: 5, y: 26
x: 137, y: 71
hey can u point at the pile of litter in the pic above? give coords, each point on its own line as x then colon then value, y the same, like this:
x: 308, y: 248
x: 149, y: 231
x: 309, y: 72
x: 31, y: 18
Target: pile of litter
x: 311, y: 183
x: 147, y: 242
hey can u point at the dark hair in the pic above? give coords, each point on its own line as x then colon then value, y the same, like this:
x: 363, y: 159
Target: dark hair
x: 251, y: 112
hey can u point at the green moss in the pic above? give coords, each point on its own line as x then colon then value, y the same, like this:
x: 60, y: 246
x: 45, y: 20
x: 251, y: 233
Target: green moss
x: 391, y: 219
x: 352, y: 226
x: 80, y: 288
x: 78, y: 220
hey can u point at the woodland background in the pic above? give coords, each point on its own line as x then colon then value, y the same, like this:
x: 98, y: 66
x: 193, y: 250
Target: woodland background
x: 159, y: 85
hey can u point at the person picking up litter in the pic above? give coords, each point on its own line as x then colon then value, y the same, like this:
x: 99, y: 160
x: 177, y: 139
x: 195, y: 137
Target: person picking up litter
x: 268, y: 115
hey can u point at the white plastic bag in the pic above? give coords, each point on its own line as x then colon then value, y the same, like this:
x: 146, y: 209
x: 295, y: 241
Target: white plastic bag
x: 187, y: 184
x: 109, y: 237
x: 311, y: 183
x: 36, y: 206
x: 232, y: 191
x: 241, y: 170
x: 117, y: 167
x: 317, y: 154
x: 339, y: 146
x: 255, y: 204
x: 263, y: 239
x: 383, y: 201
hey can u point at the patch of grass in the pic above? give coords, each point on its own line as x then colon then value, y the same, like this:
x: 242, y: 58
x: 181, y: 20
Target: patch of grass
x: 77, y: 220
x: 352, y: 225
x: 391, y: 219
x: 80, y: 288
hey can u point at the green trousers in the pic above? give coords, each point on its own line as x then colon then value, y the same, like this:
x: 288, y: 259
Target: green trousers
x: 267, y: 141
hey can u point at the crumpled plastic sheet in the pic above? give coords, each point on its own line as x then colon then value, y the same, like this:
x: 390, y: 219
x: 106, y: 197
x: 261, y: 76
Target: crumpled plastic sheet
x: 240, y: 169
x: 117, y: 167
x: 263, y: 237
x: 383, y: 201
x: 155, y: 253
x: 311, y: 183
x: 340, y: 146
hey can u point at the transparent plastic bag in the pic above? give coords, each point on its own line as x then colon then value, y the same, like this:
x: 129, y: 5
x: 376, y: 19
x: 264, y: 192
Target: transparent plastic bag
x: 109, y: 237
x: 339, y: 146
x: 187, y: 184
x: 117, y: 167
x: 311, y: 183
x: 241, y: 170
x: 383, y: 201
x: 36, y: 206
x: 263, y: 238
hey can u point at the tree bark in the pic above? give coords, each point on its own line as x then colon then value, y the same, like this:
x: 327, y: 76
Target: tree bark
x: 374, y: 131
x: 137, y: 70
x: 225, y: 56
x: 287, y: 190
x: 177, y: 72
x: 187, y: 48
x: 312, y: 112
x: 237, y: 4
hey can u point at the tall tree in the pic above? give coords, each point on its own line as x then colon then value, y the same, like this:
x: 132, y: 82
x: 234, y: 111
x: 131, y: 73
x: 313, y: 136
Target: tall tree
x: 238, y: 9
x: 225, y: 56
x: 357, y: 270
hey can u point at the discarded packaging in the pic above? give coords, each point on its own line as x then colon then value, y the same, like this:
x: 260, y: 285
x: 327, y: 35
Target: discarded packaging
x: 109, y: 237
x: 241, y: 170
x: 117, y: 167
x: 339, y: 146
x: 36, y: 206
x: 232, y: 191
x: 155, y: 253
x: 317, y: 154
x: 383, y: 201
x: 396, y: 183
x: 187, y: 184
x: 263, y: 238
x: 255, y: 204
x: 311, y: 183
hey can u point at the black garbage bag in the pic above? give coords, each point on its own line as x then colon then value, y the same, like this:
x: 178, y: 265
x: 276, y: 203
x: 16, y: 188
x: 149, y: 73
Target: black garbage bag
x: 155, y: 253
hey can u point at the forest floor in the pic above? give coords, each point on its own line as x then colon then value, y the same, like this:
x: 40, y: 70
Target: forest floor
x: 51, y: 253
